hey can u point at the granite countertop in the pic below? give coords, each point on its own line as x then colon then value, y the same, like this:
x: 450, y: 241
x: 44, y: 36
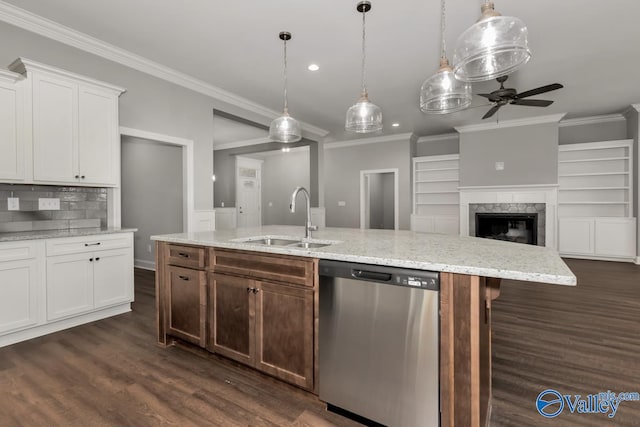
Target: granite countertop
x: 52, y: 234
x: 400, y: 248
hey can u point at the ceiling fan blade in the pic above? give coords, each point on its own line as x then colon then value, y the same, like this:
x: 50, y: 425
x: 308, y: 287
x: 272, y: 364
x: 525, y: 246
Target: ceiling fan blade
x: 491, y: 112
x: 539, y: 90
x: 532, y: 102
x: 491, y: 97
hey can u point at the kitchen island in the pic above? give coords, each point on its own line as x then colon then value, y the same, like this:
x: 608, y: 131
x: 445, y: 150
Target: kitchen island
x: 227, y: 291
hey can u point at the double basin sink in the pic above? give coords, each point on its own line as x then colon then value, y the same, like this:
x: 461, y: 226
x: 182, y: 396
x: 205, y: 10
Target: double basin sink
x: 285, y: 242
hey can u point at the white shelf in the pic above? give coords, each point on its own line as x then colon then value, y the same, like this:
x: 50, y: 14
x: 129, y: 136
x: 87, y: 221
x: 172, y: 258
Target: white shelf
x: 437, y: 169
x: 436, y: 204
x: 592, y: 188
x: 437, y: 192
x: 601, y: 159
x: 592, y: 174
x: 425, y: 181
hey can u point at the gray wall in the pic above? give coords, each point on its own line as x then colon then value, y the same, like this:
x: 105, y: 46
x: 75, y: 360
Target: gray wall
x: 591, y: 132
x: 281, y: 174
x: 529, y: 153
x: 388, y: 215
x: 151, y: 191
x: 342, y: 168
x: 149, y: 103
x: 381, y: 209
x: 439, y: 147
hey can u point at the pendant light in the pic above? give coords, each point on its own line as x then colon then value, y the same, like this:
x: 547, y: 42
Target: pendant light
x: 442, y: 93
x: 363, y: 116
x: 494, y: 46
x: 285, y: 128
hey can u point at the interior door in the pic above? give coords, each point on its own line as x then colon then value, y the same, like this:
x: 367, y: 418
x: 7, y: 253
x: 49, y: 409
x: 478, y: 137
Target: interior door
x: 248, y: 192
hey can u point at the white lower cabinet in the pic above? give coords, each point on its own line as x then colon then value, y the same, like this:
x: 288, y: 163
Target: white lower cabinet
x: 599, y: 237
x: 54, y: 284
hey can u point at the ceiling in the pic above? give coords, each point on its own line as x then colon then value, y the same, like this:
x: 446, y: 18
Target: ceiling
x: 591, y: 47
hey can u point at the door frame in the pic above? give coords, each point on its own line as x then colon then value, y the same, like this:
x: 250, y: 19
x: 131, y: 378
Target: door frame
x: 364, y: 196
x: 114, y: 195
x: 258, y: 165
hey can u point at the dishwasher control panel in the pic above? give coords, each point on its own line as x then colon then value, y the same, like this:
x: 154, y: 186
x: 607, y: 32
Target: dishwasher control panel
x: 416, y: 281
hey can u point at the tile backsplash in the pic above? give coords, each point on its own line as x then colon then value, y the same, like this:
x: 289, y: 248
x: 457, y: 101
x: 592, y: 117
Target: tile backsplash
x: 80, y: 207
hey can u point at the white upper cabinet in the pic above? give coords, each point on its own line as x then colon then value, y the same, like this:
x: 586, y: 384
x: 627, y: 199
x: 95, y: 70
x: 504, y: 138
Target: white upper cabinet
x: 73, y: 123
x: 12, y: 149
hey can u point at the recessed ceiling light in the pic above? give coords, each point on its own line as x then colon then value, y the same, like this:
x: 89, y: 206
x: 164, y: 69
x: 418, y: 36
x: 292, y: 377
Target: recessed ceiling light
x: 286, y: 149
x: 395, y: 125
x: 313, y: 67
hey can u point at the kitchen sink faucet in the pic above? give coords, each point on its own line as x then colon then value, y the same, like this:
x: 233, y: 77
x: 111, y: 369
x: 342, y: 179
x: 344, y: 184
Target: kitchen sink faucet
x: 308, y: 227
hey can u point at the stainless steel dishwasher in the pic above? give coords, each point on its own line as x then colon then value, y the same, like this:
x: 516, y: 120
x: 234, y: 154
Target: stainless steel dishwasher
x: 379, y: 343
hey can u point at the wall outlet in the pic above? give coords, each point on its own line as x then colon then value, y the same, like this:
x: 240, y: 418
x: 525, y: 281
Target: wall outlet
x: 149, y: 248
x: 48, y: 204
x: 342, y: 203
x: 499, y: 166
x: 13, y: 204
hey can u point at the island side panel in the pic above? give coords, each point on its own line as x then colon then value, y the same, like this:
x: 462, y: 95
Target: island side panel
x: 160, y: 293
x: 465, y: 358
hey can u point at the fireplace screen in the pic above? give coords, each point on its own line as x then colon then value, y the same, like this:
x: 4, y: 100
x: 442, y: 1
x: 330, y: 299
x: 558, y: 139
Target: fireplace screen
x: 512, y: 227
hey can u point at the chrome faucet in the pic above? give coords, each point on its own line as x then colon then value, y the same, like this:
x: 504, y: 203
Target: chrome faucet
x: 308, y: 227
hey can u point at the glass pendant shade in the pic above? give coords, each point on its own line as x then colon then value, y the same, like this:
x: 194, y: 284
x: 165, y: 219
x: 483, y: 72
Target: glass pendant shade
x: 494, y: 46
x: 364, y: 116
x: 285, y: 129
x: 442, y: 93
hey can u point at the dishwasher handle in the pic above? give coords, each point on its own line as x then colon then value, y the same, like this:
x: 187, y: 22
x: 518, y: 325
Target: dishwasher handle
x: 371, y: 275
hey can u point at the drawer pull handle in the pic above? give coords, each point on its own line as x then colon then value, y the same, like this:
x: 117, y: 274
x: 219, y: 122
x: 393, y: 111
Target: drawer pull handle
x: 77, y: 176
x: 92, y: 244
x: 248, y: 290
x: 255, y: 290
x: 185, y: 278
x: 98, y: 259
x: 183, y: 255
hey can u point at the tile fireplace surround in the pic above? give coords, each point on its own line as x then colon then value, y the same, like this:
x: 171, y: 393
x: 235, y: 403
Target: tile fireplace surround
x: 540, y: 199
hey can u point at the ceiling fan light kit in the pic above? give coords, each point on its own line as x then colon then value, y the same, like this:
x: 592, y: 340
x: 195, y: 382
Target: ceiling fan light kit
x: 504, y: 96
x: 494, y: 46
x: 285, y: 128
x: 363, y: 116
x: 442, y: 93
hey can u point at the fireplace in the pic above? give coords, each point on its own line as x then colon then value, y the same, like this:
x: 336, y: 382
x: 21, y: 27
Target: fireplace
x: 512, y: 227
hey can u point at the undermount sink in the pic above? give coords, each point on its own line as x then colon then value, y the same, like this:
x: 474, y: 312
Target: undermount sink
x: 285, y: 242
x: 310, y: 245
x: 274, y: 242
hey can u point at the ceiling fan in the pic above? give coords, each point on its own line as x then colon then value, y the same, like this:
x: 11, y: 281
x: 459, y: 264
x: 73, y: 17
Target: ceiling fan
x: 504, y: 96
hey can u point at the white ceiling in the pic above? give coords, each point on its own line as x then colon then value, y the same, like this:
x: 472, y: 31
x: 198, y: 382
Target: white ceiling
x: 591, y: 47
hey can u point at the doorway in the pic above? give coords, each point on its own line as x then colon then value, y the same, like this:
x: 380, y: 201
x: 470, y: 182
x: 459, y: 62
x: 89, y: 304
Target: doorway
x: 248, y: 191
x: 379, y: 199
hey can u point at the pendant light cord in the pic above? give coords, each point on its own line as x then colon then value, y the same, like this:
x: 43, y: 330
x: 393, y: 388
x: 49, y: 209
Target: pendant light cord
x: 364, y: 54
x: 286, y: 111
x: 443, y: 46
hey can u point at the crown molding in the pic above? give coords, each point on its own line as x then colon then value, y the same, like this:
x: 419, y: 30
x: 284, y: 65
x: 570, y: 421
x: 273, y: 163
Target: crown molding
x: 244, y: 143
x: 278, y: 152
x: 436, y: 138
x: 364, y: 141
x: 10, y: 76
x: 606, y: 118
x: 635, y: 107
x: 36, y: 24
x: 553, y: 118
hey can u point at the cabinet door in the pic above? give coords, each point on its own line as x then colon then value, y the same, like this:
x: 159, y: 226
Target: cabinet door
x: 232, y: 305
x: 112, y: 277
x: 11, y: 128
x: 576, y: 236
x: 616, y: 237
x: 55, y: 129
x: 98, y: 142
x: 18, y: 294
x: 69, y: 285
x: 284, y: 333
x: 186, y: 303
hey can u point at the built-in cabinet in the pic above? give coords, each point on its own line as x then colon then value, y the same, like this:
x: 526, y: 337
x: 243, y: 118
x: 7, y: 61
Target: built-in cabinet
x: 62, y: 127
x: 258, y: 309
x: 52, y: 284
x: 436, y: 198
x: 595, y: 200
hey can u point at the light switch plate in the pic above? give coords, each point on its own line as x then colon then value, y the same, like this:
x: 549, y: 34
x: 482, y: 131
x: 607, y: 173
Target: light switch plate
x: 13, y: 204
x: 499, y: 166
x: 342, y: 203
x: 45, y: 204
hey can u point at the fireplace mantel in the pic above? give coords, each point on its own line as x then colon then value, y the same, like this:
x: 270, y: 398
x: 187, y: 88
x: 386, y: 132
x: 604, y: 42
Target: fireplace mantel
x: 545, y: 193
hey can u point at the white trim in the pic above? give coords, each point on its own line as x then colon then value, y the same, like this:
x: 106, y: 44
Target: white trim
x: 553, y: 118
x: 637, y: 261
x: 597, y: 145
x: 435, y: 138
x: 10, y: 76
x: 396, y: 214
x: 636, y: 107
x: 363, y: 141
x: 508, y: 187
x: 36, y: 24
x: 606, y: 118
x: 187, y: 168
x: 245, y: 143
x: 144, y: 264
x: 277, y: 152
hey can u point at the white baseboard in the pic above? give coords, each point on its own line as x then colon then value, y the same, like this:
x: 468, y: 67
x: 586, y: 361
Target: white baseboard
x: 144, y: 264
x: 637, y: 262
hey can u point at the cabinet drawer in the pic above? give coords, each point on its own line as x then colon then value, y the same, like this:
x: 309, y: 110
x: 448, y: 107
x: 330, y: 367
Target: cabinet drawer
x: 187, y: 304
x: 13, y: 251
x: 185, y: 256
x: 283, y: 268
x: 74, y: 245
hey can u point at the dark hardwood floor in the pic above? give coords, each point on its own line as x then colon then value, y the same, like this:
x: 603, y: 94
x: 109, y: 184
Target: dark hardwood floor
x: 580, y: 340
